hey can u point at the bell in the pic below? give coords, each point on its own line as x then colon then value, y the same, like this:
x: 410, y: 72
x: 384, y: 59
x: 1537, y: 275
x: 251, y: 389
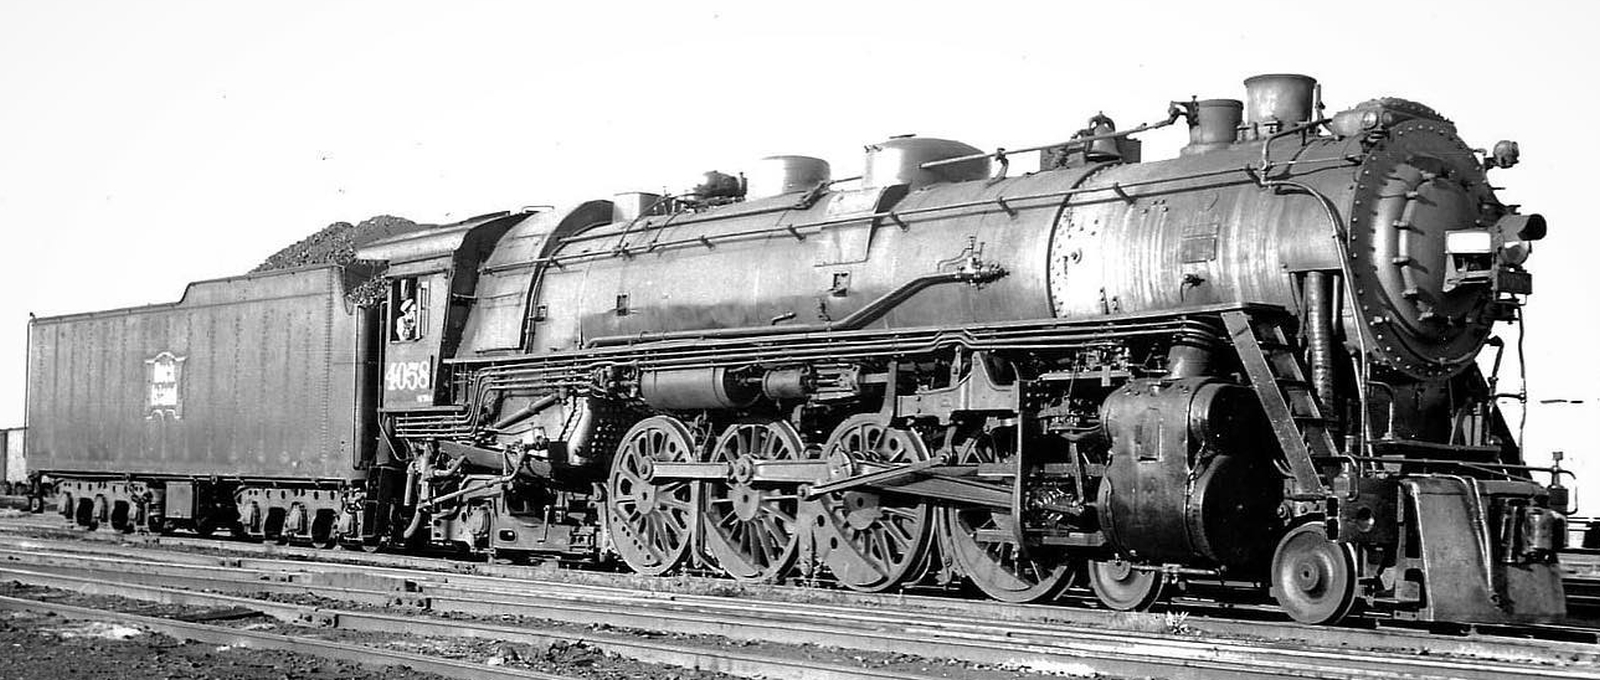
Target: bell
x: 1102, y: 149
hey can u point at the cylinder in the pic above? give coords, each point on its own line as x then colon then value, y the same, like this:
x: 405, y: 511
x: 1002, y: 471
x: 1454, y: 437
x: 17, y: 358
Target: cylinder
x: 778, y: 175
x: 1215, y: 125
x: 1284, y: 98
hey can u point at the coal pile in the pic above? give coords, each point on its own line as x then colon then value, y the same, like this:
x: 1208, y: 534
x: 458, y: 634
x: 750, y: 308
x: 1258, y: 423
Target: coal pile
x: 337, y: 244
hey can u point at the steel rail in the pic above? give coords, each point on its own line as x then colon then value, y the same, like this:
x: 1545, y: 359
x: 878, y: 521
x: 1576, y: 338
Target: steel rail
x: 1496, y: 641
x: 220, y: 635
x: 979, y: 645
x: 674, y: 654
x: 821, y: 625
x: 1492, y: 640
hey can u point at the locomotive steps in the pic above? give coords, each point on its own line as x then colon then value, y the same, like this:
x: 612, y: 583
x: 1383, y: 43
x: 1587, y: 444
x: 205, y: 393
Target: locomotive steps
x: 1039, y: 638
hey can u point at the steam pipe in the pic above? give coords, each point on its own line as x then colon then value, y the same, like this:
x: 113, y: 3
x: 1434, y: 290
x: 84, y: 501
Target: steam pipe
x: 526, y: 412
x: 1319, y: 334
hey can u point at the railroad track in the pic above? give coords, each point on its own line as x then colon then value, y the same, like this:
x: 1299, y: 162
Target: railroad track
x: 221, y: 635
x: 1211, y: 615
x: 1026, y: 640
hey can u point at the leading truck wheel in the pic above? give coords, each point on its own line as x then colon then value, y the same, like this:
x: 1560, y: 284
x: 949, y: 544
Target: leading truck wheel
x: 652, y: 522
x: 1313, y: 578
x: 1122, y: 587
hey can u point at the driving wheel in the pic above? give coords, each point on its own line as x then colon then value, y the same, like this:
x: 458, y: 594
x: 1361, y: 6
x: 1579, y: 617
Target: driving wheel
x: 981, y: 540
x: 751, y: 529
x: 651, y: 522
x: 872, y: 541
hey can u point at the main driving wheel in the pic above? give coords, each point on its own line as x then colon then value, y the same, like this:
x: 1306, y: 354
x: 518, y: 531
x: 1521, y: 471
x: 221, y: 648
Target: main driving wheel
x: 998, y: 566
x: 1122, y: 587
x: 751, y: 529
x: 872, y: 541
x: 1313, y: 578
x: 982, y: 540
x: 651, y: 522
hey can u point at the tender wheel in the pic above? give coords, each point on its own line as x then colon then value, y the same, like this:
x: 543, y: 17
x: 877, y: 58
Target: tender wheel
x: 752, y: 530
x: 651, y: 523
x: 872, y: 541
x: 322, y: 531
x: 1123, y: 588
x: 1313, y: 578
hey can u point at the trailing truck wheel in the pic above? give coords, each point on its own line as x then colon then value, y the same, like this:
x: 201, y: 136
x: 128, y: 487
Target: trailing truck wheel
x: 872, y: 541
x: 752, y: 529
x: 1313, y: 578
x: 652, y: 523
x: 1121, y: 587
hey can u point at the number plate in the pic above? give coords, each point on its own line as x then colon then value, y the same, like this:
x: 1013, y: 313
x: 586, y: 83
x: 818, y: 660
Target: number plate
x: 407, y: 383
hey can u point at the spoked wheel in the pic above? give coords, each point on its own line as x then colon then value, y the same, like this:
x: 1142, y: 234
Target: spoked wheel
x: 751, y: 529
x: 1001, y: 568
x: 651, y: 523
x: 1313, y: 578
x: 1123, y: 588
x: 872, y: 541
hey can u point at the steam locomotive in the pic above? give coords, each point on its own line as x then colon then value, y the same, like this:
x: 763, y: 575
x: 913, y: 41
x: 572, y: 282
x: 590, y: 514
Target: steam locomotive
x: 1253, y: 363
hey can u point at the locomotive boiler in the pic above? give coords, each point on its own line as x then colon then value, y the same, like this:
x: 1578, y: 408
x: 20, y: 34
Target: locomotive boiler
x: 1250, y: 364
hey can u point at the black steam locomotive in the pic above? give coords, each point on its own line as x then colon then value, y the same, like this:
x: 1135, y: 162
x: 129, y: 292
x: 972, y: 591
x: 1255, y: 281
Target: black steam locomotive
x: 1254, y: 363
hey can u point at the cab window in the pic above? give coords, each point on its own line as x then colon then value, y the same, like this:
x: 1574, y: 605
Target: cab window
x: 408, y: 309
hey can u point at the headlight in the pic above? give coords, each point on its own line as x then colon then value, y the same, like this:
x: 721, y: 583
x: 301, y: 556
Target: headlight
x: 1468, y: 242
x: 1515, y: 252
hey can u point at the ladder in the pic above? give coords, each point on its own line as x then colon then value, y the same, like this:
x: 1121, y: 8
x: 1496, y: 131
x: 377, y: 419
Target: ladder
x: 1287, y: 398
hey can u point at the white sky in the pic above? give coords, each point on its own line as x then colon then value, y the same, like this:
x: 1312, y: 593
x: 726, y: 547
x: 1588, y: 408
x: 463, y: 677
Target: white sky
x: 145, y: 145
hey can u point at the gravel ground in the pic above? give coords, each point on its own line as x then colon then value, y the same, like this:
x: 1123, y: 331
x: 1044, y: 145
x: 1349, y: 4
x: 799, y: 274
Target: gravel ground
x: 53, y: 643
x: 36, y: 646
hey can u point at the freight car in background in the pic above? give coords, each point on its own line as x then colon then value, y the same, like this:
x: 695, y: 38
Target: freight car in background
x: 1254, y: 363
x: 13, y: 464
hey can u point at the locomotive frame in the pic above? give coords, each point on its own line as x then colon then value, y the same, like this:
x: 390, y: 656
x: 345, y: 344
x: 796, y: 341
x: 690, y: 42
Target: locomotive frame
x: 1250, y: 364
